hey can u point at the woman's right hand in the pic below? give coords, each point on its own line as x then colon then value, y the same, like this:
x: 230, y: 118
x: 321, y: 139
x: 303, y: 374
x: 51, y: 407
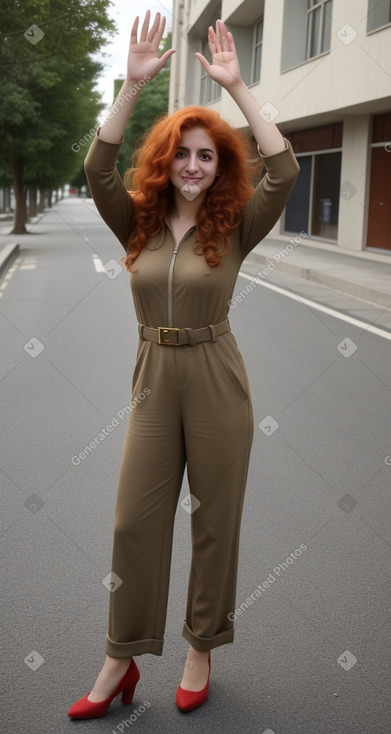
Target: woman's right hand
x: 143, y: 58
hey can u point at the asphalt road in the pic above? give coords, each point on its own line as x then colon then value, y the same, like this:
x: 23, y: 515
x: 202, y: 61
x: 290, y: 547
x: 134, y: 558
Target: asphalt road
x: 312, y: 648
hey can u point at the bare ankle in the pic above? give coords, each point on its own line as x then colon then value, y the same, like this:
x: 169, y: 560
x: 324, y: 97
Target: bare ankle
x: 198, y: 653
x: 115, y: 663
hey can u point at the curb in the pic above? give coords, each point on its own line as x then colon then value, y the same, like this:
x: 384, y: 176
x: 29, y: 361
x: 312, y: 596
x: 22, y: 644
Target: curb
x: 8, y: 254
x: 380, y: 298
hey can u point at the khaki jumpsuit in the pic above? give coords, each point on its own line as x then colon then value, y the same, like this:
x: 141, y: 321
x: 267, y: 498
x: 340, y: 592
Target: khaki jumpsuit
x: 197, y: 413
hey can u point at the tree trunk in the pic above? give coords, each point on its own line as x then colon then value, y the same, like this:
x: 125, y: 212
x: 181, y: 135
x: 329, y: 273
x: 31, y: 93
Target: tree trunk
x: 50, y: 196
x: 41, y: 198
x: 33, y: 200
x: 39, y: 201
x: 20, y: 214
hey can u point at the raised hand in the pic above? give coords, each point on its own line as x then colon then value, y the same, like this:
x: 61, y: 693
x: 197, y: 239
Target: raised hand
x: 143, y: 56
x: 224, y: 68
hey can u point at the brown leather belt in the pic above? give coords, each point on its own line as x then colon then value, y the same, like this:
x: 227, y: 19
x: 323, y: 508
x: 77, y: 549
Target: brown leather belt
x: 178, y: 337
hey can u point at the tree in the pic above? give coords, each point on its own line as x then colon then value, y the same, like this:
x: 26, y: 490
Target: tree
x: 47, y: 99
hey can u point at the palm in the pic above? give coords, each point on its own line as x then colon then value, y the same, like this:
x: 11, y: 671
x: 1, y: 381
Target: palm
x: 142, y: 58
x: 224, y: 68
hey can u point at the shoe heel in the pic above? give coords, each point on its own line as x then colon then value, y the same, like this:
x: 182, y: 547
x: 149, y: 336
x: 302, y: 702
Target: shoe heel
x: 128, y: 693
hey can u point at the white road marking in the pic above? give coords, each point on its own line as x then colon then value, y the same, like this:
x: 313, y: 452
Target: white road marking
x: 9, y: 273
x: 320, y: 307
x: 98, y: 263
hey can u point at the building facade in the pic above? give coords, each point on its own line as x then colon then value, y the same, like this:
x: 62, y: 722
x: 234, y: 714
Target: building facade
x: 321, y: 69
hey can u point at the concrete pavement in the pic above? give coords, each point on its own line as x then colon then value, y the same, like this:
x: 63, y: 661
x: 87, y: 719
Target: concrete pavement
x: 365, y: 275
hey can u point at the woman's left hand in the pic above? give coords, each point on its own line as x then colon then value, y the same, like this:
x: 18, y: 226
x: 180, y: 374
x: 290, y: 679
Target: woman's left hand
x: 224, y: 68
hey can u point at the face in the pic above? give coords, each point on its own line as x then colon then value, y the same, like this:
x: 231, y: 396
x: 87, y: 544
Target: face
x: 195, y: 163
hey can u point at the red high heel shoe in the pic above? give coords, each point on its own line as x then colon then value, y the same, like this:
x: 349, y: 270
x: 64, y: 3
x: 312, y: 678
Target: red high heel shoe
x: 85, y: 709
x: 187, y: 700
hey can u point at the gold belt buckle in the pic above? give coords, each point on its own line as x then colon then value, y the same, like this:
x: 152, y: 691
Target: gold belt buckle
x: 164, y: 335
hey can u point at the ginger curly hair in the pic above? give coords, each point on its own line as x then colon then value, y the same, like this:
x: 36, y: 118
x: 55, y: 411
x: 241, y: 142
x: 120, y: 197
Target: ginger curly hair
x: 152, y: 192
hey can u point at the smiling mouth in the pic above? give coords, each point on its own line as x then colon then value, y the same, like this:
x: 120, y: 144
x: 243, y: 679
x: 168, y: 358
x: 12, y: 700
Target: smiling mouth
x: 189, y: 179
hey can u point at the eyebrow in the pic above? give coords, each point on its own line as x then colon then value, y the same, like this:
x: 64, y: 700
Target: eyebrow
x: 201, y: 150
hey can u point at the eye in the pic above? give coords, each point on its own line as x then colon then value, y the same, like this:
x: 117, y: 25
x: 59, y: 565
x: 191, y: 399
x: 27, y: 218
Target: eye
x: 205, y: 157
x: 179, y: 154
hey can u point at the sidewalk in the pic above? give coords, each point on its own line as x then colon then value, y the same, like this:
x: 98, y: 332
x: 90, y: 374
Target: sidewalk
x: 359, y: 276
x: 11, y: 245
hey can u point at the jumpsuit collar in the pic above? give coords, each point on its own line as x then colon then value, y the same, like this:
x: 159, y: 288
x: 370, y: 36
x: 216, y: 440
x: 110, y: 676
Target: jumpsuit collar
x: 172, y: 234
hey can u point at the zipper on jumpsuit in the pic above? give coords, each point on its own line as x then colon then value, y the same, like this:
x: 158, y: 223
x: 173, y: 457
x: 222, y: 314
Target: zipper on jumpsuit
x: 171, y: 273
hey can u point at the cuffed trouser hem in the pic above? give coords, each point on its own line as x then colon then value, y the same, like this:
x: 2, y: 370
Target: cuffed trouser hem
x: 128, y: 649
x: 203, y: 644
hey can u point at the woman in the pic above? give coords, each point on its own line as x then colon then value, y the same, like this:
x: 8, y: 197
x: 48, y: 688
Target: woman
x: 188, y: 223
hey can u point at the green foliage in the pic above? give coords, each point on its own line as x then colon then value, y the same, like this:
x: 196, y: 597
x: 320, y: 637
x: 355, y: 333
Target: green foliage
x: 47, y: 98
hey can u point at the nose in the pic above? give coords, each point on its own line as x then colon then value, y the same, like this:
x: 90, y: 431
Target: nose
x: 192, y: 163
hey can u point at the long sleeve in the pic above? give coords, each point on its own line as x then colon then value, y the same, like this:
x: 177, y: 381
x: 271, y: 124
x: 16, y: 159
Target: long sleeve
x: 269, y: 198
x: 107, y: 189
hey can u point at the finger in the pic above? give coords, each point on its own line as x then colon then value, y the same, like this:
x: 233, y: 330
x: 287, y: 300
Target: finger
x: 231, y: 42
x: 162, y: 26
x: 159, y: 32
x: 133, y: 34
x: 154, y: 28
x: 205, y: 63
x: 222, y: 33
x: 144, y: 30
x: 166, y: 56
x: 212, y: 40
x: 217, y: 38
x: 219, y: 29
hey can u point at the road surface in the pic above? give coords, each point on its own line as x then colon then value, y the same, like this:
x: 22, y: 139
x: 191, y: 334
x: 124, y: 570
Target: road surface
x: 313, y: 619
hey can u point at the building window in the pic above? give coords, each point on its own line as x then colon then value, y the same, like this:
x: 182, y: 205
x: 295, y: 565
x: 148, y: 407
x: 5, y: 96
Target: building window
x: 318, y: 27
x: 257, y: 52
x: 306, y: 31
x: 379, y: 14
x: 209, y: 90
x: 313, y: 206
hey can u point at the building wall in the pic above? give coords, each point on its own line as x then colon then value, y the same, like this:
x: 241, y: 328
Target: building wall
x: 346, y: 82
